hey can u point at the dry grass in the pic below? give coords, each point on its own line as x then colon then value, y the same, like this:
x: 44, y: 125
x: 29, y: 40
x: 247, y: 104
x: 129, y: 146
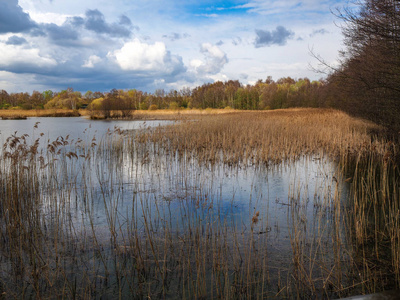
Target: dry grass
x: 272, y: 136
x: 21, y: 113
x: 160, y: 114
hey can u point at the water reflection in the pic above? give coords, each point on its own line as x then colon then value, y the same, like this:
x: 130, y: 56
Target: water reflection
x: 172, y: 191
x: 120, y: 193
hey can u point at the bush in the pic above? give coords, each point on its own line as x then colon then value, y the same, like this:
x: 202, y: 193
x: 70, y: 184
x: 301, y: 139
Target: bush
x: 153, y: 107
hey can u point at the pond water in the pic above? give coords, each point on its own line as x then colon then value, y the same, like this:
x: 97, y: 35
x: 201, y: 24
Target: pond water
x: 75, y: 127
x: 263, y: 224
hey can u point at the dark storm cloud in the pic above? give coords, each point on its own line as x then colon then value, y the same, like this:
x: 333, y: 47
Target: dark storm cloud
x: 96, y: 22
x: 279, y: 36
x: 13, y: 19
x: 16, y: 40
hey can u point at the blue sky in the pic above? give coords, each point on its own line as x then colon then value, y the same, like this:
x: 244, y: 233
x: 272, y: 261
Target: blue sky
x: 152, y: 44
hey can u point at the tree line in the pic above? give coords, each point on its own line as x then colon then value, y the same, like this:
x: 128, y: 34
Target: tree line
x: 264, y: 94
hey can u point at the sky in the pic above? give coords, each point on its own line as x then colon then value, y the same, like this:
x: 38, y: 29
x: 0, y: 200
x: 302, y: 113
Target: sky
x: 99, y: 45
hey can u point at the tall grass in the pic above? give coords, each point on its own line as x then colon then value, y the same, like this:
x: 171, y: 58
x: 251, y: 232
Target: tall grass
x: 159, y: 114
x: 142, y: 214
x: 23, y: 114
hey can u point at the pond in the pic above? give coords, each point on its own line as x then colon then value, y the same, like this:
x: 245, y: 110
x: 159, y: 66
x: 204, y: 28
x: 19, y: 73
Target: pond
x: 124, y: 217
x: 76, y: 127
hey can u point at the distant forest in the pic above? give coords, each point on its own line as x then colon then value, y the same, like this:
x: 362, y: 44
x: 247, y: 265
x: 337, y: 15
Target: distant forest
x: 268, y: 94
x: 365, y: 84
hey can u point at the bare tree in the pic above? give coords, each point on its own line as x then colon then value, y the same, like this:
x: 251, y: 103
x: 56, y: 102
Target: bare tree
x: 369, y: 75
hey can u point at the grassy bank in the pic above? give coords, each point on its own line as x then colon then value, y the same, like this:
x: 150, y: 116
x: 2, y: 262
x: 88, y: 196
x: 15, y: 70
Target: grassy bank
x: 163, y: 233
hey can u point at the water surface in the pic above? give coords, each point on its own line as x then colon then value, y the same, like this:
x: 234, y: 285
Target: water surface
x: 119, y: 193
x: 75, y: 127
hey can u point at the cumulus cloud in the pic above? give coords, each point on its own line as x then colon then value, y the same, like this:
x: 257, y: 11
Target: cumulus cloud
x: 215, y: 59
x: 92, y: 60
x: 96, y: 22
x: 71, y: 30
x: 138, y: 56
x: 13, y: 18
x: 279, y: 36
x: 19, y: 60
x: 16, y: 40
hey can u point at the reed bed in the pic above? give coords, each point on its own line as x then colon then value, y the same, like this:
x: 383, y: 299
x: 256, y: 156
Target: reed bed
x: 22, y: 113
x: 146, y: 214
x: 272, y: 136
x: 159, y: 114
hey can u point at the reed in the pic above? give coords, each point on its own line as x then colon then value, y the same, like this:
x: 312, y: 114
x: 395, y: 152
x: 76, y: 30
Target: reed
x: 159, y: 114
x: 145, y: 213
x: 6, y: 114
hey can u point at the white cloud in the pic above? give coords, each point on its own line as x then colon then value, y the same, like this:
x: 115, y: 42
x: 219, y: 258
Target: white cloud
x: 138, y: 56
x: 49, y: 17
x: 196, y: 63
x: 215, y: 59
x: 15, y: 56
x: 93, y: 59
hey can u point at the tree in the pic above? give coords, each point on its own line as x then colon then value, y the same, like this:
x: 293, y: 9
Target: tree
x: 48, y: 95
x: 4, y: 98
x: 89, y: 96
x: 37, y: 100
x: 369, y: 75
x: 65, y: 99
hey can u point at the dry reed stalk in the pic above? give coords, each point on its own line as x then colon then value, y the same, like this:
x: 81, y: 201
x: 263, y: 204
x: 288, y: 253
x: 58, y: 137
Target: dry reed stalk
x: 21, y: 113
x: 269, y: 137
x: 143, y: 251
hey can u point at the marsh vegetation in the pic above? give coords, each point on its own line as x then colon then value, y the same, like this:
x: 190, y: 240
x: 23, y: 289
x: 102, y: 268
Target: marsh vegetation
x: 296, y: 203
